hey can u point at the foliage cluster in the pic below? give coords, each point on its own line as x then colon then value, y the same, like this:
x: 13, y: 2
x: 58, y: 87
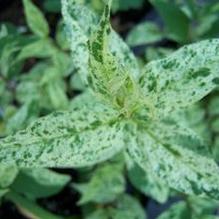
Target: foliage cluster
x: 138, y: 123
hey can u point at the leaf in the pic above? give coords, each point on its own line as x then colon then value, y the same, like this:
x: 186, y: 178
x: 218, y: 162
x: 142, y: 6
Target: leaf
x: 30, y: 209
x: 80, y: 23
x: 126, y: 206
x: 77, y: 138
x: 7, y: 175
x: 35, y: 19
x: 61, y: 37
x: 181, y: 79
x: 98, y: 214
x: 176, y: 211
x: 123, y: 5
x: 144, y: 33
x: 195, y: 118
x: 109, y: 176
x: 55, y: 88
x: 202, y: 206
x: 179, y: 167
x: 108, y: 77
x: 213, y: 106
x: 148, y: 184
x: 39, y: 182
x: 154, y: 53
x: 42, y: 48
x: 8, y: 57
x: 177, y: 28
x: 23, y: 116
x: 52, y: 6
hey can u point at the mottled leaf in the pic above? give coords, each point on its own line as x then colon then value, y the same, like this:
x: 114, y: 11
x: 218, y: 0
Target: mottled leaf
x: 148, y: 184
x: 109, y: 77
x: 80, y: 23
x: 181, y: 79
x: 178, y: 166
x: 77, y: 138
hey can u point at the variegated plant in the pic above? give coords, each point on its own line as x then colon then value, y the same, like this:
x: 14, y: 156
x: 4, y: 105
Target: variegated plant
x: 137, y: 112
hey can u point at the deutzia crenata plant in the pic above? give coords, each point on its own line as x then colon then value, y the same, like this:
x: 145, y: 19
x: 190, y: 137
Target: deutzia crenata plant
x: 126, y: 109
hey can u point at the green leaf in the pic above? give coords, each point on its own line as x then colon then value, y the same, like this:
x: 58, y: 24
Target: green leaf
x: 179, y: 167
x: 144, y: 33
x: 195, y: 118
x: 181, y: 79
x: 148, y: 184
x: 193, y: 207
x: 126, y: 206
x: 52, y: 5
x: 8, y: 57
x: 80, y: 23
x: 123, y: 5
x: 77, y: 138
x: 98, y: 214
x: 41, y: 48
x: 213, y: 106
x: 30, y: 209
x: 23, y: 116
x: 177, y: 28
x: 176, y: 211
x: 202, y: 206
x: 39, y: 182
x: 215, y: 125
x: 61, y: 37
x: 55, y: 88
x: 109, y: 176
x: 35, y: 19
x: 209, y: 217
x: 7, y: 175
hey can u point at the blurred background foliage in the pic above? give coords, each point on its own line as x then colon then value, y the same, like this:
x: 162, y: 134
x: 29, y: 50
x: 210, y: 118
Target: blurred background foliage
x: 37, y: 78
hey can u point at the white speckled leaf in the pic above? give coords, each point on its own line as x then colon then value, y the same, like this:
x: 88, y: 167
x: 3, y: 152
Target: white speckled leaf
x: 77, y: 138
x: 181, y: 79
x: 108, y: 77
x: 178, y: 132
x: 181, y: 168
x: 80, y: 23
